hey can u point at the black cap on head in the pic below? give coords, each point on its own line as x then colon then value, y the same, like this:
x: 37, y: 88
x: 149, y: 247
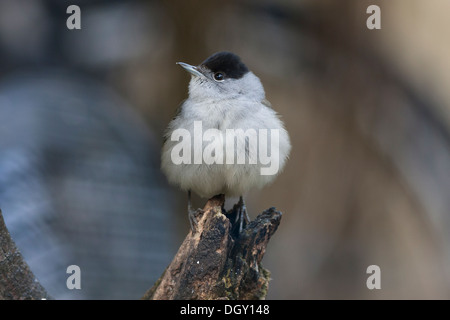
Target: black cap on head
x: 226, y: 62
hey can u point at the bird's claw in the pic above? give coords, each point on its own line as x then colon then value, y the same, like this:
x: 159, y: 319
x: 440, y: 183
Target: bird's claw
x: 242, y: 215
x: 192, y: 214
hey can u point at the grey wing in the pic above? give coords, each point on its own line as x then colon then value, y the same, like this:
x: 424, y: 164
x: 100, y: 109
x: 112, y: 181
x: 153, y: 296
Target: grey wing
x: 177, y: 113
x: 266, y: 103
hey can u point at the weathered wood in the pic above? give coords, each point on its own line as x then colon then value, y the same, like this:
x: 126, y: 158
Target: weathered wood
x: 217, y: 261
x: 17, y: 282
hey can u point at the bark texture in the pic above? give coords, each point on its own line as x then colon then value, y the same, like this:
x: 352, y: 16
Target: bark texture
x: 217, y: 261
x: 17, y: 282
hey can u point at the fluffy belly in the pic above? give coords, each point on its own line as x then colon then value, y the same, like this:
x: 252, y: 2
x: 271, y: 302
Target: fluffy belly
x: 228, y: 161
x: 209, y: 180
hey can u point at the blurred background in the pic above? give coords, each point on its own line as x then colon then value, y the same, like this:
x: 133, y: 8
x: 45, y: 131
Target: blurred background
x: 82, y: 114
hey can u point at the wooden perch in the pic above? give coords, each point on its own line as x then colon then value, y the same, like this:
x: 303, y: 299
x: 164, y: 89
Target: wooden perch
x: 218, y: 262
x: 215, y: 262
x: 17, y: 282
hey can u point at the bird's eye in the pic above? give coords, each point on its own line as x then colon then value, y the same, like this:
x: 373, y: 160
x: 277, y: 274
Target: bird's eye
x: 218, y: 76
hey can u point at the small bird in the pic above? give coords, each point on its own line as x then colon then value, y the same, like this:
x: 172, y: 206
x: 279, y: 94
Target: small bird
x: 219, y: 141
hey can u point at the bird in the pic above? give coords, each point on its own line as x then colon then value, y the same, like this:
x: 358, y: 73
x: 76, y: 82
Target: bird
x: 225, y: 137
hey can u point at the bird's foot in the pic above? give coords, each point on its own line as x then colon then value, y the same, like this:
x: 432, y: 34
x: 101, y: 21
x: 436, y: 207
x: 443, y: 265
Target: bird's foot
x: 193, y: 214
x: 242, y: 217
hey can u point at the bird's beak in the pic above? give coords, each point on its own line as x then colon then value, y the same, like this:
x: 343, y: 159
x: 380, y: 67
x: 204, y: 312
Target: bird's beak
x: 191, y: 69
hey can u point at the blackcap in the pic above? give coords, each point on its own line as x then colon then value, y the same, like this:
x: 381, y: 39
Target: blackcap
x: 226, y: 138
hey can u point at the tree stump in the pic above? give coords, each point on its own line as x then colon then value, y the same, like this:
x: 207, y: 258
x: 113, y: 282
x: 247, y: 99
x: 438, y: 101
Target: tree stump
x: 217, y: 261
